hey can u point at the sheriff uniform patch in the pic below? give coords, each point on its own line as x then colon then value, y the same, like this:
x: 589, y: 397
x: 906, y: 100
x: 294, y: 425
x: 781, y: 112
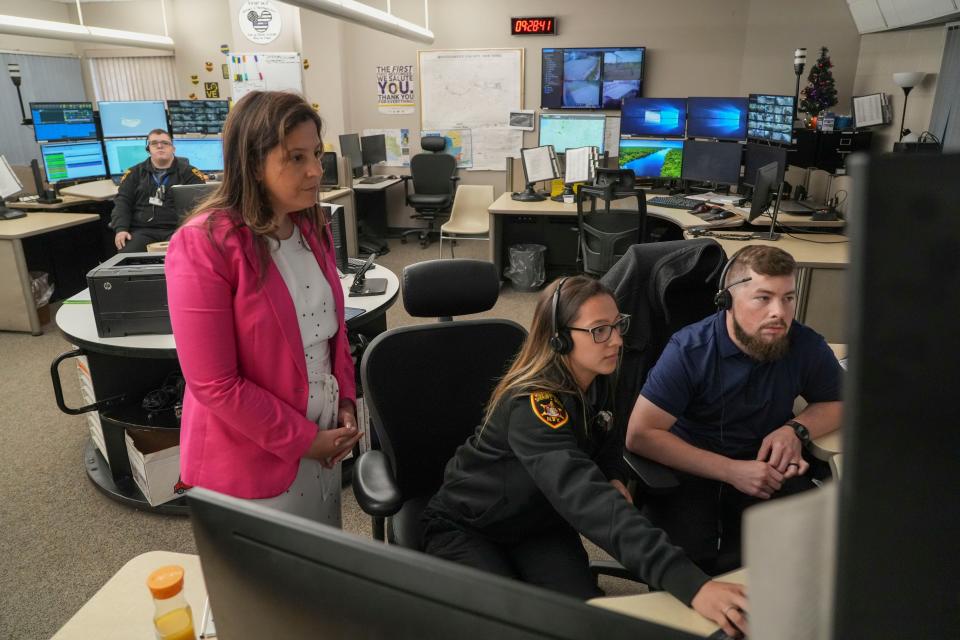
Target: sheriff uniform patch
x: 549, y: 409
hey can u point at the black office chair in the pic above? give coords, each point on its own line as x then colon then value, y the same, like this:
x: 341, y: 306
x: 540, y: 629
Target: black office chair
x: 434, y: 183
x: 188, y: 196
x: 606, y: 235
x: 426, y: 387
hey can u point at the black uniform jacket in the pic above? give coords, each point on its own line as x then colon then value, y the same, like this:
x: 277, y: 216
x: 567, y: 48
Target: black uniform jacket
x: 542, y: 460
x: 132, y: 207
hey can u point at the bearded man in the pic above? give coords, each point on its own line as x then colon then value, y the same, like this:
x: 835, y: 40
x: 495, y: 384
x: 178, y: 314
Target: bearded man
x: 718, y: 408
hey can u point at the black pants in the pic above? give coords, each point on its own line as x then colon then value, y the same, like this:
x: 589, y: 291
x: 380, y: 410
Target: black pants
x: 554, y: 560
x: 142, y: 236
x: 704, y: 518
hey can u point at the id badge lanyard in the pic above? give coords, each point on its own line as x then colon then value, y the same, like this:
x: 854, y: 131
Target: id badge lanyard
x: 157, y: 199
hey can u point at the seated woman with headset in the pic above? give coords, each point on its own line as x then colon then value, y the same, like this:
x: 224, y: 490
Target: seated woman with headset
x: 546, y: 466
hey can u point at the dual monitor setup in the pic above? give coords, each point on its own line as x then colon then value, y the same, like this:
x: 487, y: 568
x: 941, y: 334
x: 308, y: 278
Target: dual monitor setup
x: 77, y: 143
x: 363, y: 152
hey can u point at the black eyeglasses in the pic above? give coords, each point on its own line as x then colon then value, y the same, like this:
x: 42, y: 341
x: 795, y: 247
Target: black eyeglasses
x: 603, y: 332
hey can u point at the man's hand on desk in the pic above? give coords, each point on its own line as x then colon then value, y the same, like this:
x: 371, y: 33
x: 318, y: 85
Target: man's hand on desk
x: 783, y: 450
x: 121, y: 239
x: 754, y: 478
x: 725, y: 604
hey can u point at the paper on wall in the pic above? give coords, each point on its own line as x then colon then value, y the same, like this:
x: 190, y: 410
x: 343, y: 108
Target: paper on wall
x: 459, y: 144
x: 492, y: 145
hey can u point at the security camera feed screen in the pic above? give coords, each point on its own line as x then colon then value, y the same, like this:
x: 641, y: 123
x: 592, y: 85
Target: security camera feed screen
x: 54, y: 121
x: 569, y: 131
x: 654, y: 117
x: 197, y: 116
x: 720, y: 118
x: 595, y: 78
x: 652, y: 158
x: 770, y: 118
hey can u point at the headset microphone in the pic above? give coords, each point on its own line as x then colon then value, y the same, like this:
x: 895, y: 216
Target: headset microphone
x: 560, y: 342
x: 722, y: 298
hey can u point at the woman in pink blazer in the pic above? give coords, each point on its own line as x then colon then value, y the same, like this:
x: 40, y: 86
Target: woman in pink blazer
x: 257, y: 312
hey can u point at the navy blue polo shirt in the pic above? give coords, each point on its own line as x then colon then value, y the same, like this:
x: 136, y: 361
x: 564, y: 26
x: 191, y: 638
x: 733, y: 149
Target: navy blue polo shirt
x: 727, y: 402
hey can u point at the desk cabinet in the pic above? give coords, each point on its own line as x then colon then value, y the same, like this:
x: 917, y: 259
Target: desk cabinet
x: 557, y: 233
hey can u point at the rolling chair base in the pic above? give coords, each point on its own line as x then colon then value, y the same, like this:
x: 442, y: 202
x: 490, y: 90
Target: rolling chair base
x: 423, y: 235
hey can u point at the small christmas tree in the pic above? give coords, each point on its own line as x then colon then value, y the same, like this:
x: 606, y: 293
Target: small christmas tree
x: 821, y: 93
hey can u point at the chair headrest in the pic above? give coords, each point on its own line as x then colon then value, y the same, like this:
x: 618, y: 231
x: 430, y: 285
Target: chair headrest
x: 433, y: 143
x: 438, y: 288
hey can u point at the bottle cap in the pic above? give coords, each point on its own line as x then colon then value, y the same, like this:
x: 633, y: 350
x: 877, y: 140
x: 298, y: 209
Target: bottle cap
x: 166, y: 582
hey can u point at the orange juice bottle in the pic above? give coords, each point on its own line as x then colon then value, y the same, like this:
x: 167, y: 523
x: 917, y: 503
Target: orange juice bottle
x: 172, y: 618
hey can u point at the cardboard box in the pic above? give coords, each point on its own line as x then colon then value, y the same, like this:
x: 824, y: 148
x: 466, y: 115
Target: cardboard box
x: 155, y: 463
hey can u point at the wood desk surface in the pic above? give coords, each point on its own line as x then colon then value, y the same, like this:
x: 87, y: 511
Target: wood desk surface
x: 505, y: 205
x: 123, y: 608
x: 66, y: 202
x: 792, y: 220
x: 99, y: 190
x: 38, y: 223
x: 334, y: 194
x: 377, y: 186
x: 813, y: 250
x: 663, y: 608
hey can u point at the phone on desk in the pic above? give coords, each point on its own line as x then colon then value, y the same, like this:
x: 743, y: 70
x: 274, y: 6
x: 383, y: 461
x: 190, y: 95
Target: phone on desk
x: 363, y: 286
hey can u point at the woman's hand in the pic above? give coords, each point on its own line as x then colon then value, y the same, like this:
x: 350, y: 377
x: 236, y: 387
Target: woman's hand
x: 332, y: 445
x: 725, y: 604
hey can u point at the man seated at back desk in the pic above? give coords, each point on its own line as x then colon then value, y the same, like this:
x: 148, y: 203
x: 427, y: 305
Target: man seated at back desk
x: 718, y: 408
x: 143, y: 211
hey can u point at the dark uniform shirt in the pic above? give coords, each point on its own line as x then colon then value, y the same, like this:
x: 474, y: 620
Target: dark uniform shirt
x: 727, y: 402
x: 132, y: 208
x: 542, y: 460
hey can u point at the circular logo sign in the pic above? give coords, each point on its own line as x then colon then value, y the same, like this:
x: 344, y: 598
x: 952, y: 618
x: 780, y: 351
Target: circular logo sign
x: 260, y: 21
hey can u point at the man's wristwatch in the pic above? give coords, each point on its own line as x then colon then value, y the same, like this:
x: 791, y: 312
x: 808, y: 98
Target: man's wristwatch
x: 802, y: 432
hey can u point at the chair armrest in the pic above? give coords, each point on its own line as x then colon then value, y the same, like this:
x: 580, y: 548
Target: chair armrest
x: 453, y: 182
x: 654, y: 477
x: 374, y: 487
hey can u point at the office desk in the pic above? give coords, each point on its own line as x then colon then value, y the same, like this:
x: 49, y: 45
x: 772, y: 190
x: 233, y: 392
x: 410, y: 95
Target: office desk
x: 372, y: 209
x: 821, y: 279
x: 792, y: 220
x: 66, y: 202
x: 554, y: 224
x: 123, y: 608
x: 99, y: 190
x: 17, y: 309
x: 663, y: 608
x: 131, y: 366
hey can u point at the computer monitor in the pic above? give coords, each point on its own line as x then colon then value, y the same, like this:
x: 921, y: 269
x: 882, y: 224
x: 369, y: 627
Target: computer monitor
x: 717, y: 162
x: 764, y: 191
x: 720, y: 118
x: 53, y: 121
x: 651, y: 158
x: 131, y: 118
x: 271, y: 574
x: 590, y: 78
x: 350, y: 147
x: 205, y: 154
x: 661, y: 117
x: 571, y: 130
x: 10, y: 184
x: 125, y: 153
x: 328, y: 162
x: 770, y: 118
x: 338, y: 229
x: 758, y: 155
x: 73, y: 161
x: 373, y: 150
x: 197, y: 116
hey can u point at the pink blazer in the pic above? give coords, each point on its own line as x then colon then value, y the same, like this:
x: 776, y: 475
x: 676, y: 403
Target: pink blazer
x: 244, y: 426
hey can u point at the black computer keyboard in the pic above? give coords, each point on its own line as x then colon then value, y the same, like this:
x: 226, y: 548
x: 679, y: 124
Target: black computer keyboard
x: 374, y: 180
x: 674, y: 202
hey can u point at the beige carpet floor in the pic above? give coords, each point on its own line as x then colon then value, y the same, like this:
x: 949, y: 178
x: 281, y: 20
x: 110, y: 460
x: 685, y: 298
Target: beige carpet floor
x: 60, y: 538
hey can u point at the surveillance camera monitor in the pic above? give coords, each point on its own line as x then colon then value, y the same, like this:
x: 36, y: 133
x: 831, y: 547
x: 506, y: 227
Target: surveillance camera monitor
x: 717, y: 162
x: 590, y: 78
x: 652, y: 158
x: 132, y: 118
x: 350, y: 147
x: 571, y: 130
x: 197, y: 116
x: 660, y: 117
x: 205, y: 154
x: 720, y: 118
x: 73, y: 161
x: 125, y: 153
x: 758, y: 155
x: 56, y: 121
x: 770, y: 118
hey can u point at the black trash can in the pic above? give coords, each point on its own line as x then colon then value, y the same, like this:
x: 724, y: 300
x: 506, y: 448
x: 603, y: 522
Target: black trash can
x: 526, y: 271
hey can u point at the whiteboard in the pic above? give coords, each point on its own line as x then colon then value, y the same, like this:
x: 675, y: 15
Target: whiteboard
x: 265, y: 72
x: 467, y: 88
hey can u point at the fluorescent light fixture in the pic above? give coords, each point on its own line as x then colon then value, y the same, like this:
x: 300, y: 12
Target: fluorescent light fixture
x: 15, y: 25
x: 364, y: 14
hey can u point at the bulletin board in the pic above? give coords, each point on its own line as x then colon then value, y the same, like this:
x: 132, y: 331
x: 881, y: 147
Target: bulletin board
x: 265, y: 72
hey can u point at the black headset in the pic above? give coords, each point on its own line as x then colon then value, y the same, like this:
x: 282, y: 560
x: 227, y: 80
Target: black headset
x: 560, y: 342
x: 722, y: 298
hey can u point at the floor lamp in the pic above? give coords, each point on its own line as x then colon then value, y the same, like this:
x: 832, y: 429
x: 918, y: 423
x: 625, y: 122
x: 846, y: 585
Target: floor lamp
x: 906, y: 80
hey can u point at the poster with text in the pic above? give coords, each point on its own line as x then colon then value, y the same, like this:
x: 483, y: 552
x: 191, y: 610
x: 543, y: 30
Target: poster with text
x: 395, y: 89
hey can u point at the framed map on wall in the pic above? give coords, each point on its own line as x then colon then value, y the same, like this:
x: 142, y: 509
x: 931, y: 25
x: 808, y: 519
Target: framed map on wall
x: 468, y: 88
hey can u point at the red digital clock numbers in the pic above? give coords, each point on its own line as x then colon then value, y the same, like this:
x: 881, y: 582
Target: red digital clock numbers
x: 533, y: 26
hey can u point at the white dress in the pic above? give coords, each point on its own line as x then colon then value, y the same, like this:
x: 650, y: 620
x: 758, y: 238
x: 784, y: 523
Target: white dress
x: 315, y: 492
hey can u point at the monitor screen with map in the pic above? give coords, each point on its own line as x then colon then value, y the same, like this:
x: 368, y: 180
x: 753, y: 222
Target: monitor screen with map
x: 570, y: 130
